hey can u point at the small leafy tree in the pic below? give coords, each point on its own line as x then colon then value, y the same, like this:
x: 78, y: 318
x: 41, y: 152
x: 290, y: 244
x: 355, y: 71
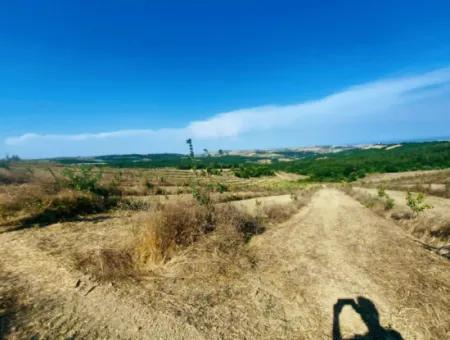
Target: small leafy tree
x: 83, y: 178
x: 416, y: 203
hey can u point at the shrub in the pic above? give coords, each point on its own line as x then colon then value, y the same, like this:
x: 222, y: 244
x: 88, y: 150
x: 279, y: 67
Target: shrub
x: 278, y: 212
x: 213, y: 171
x: 402, y: 215
x: 173, y: 226
x: 8, y: 176
x: 106, y: 264
x: 83, y: 178
x: 416, y: 204
x: 381, y: 191
x: 133, y: 204
x: 177, y: 225
x: 201, y: 194
x: 253, y: 171
x: 67, y: 204
x: 149, y: 185
x: 222, y: 188
x: 21, y: 198
x: 32, y: 204
x: 389, y: 203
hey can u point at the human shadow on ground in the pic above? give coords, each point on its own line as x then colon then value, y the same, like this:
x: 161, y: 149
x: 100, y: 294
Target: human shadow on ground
x: 369, y: 315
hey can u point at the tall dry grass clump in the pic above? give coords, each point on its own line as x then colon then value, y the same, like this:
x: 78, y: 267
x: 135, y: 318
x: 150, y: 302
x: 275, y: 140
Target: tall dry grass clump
x: 176, y: 226
x: 172, y: 226
x: 177, y: 240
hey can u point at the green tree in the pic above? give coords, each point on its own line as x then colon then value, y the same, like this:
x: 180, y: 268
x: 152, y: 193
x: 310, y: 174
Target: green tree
x: 416, y: 203
x: 191, y: 147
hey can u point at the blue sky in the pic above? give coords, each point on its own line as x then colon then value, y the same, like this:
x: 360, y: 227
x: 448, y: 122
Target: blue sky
x: 96, y: 77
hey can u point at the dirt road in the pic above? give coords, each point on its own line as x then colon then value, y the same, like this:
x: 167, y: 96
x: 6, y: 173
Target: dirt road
x: 336, y: 249
x: 333, y: 249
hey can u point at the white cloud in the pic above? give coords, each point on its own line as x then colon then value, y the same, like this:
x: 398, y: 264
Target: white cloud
x: 384, y: 97
x: 366, y: 99
x: 30, y: 137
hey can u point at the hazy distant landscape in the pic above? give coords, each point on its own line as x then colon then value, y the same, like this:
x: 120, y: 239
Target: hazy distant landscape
x: 337, y: 163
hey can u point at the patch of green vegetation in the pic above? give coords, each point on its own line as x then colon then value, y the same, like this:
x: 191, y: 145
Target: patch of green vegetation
x: 353, y: 164
x: 416, y: 203
x: 247, y: 171
x: 345, y: 166
x: 83, y: 178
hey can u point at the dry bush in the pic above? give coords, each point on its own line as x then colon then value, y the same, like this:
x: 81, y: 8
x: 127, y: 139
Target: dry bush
x: 279, y: 212
x: 402, y: 215
x: 9, y: 176
x: 443, y: 232
x: 238, y: 196
x: 178, y: 240
x: 133, y: 204
x: 69, y: 204
x: 106, y: 264
x: 175, y: 226
x: 229, y: 217
x: 31, y: 204
x: 374, y: 203
x: 15, y: 199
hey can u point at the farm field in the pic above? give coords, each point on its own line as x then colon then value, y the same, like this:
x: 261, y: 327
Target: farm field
x: 280, y: 258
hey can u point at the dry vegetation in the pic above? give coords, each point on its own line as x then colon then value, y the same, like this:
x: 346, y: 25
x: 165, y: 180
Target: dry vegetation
x: 40, y: 201
x: 432, y: 182
x: 207, y: 256
x: 171, y: 230
x: 431, y: 228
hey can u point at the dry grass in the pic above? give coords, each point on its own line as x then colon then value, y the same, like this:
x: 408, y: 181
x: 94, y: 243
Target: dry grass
x: 432, y: 182
x: 32, y: 204
x: 376, y: 204
x: 173, y: 226
x: 184, y: 237
x: 8, y: 176
x: 106, y: 264
x: 16, y: 199
x: 166, y: 238
x: 277, y: 213
x: 430, y: 230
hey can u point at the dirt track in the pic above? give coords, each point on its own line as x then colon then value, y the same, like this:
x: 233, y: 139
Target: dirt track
x: 332, y: 249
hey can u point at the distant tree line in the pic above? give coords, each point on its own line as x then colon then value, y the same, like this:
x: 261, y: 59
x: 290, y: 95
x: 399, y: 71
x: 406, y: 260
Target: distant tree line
x: 348, y: 165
